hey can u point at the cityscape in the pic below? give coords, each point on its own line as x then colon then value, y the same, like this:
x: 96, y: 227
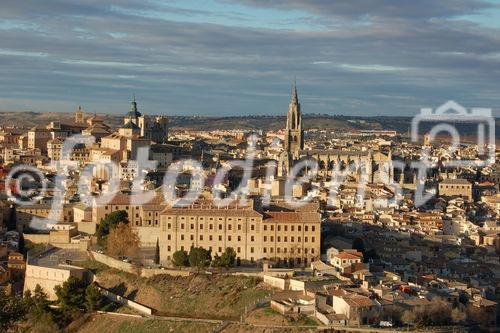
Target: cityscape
x: 125, y: 214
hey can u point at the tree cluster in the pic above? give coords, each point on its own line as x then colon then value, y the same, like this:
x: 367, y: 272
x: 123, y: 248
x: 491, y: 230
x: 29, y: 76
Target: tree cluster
x: 108, y: 223
x: 201, y: 258
x: 33, y: 310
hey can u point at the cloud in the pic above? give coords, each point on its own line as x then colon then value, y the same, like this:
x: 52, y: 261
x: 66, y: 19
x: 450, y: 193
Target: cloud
x: 358, y: 55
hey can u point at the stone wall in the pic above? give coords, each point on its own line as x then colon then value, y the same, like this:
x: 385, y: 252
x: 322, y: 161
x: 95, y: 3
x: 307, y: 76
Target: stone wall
x: 122, y: 300
x: 114, y: 263
x: 277, y: 282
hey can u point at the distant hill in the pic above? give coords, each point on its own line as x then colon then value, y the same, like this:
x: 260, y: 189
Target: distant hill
x: 337, y: 123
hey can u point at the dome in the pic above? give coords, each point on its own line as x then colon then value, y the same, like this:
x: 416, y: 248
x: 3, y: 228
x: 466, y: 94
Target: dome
x: 133, y: 113
x: 131, y: 125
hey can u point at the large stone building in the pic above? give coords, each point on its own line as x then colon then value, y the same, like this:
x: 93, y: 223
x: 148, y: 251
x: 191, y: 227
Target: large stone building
x: 279, y: 233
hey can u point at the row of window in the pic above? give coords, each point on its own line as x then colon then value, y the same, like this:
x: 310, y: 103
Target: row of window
x: 210, y: 227
x: 292, y: 239
x: 292, y: 250
x: 292, y: 228
x: 219, y: 249
x: 252, y: 238
x: 202, y: 218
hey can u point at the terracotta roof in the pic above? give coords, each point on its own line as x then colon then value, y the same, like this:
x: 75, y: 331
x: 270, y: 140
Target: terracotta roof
x: 358, y: 301
x: 297, y: 217
x: 347, y: 255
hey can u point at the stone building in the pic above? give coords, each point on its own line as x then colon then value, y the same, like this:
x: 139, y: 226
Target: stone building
x: 278, y: 233
x: 455, y: 188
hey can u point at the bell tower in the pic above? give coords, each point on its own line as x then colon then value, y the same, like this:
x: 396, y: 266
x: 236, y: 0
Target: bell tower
x: 294, y: 134
x: 79, y: 116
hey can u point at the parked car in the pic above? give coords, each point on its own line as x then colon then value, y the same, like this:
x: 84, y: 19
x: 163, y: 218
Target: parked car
x: 385, y: 323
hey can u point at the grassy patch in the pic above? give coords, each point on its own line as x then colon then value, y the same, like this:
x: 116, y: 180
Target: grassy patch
x: 114, y: 324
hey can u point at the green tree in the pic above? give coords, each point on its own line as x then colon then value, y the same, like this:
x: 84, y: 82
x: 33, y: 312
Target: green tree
x: 11, y: 311
x: 108, y: 223
x: 12, y: 221
x: 180, y: 258
x: 370, y: 254
x: 358, y: 245
x: 93, y: 298
x: 228, y: 258
x: 71, y: 295
x: 217, y: 261
x: 21, y: 246
x: 39, y: 301
x: 199, y: 258
x: 157, y: 252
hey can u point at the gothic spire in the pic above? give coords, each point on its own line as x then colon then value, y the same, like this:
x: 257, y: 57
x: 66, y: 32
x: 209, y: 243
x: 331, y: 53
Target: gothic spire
x: 295, y: 98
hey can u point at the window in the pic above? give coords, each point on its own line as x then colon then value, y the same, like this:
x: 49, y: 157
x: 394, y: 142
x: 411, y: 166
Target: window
x: 279, y: 228
x: 229, y: 227
x: 168, y: 248
x: 210, y: 237
x: 239, y: 226
x: 299, y: 228
x: 312, y: 239
x: 313, y: 228
x: 286, y: 228
x: 238, y: 249
x: 251, y: 238
x: 272, y: 228
x: 305, y: 239
x: 264, y: 250
x: 220, y: 238
x: 192, y: 226
x: 182, y: 237
x: 305, y: 228
x: 211, y: 226
x: 191, y: 237
x: 229, y: 238
x: 168, y: 237
x: 265, y: 228
x: 251, y: 250
x: 265, y: 238
x: 182, y: 226
x: 279, y: 239
x: 201, y: 237
x: 252, y: 227
x: 220, y: 226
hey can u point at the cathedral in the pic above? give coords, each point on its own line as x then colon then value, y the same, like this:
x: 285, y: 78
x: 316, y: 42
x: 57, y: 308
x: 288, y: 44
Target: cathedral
x: 368, y: 163
x: 154, y: 128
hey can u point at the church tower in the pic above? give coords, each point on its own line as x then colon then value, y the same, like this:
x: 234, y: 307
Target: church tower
x: 79, y: 116
x: 294, y: 134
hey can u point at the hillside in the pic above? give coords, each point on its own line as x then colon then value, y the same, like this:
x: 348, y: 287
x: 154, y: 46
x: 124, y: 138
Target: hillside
x: 310, y: 121
x: 195, y: 296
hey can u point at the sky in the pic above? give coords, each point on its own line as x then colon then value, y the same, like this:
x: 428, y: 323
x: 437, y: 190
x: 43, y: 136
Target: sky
x: 231, y: 58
